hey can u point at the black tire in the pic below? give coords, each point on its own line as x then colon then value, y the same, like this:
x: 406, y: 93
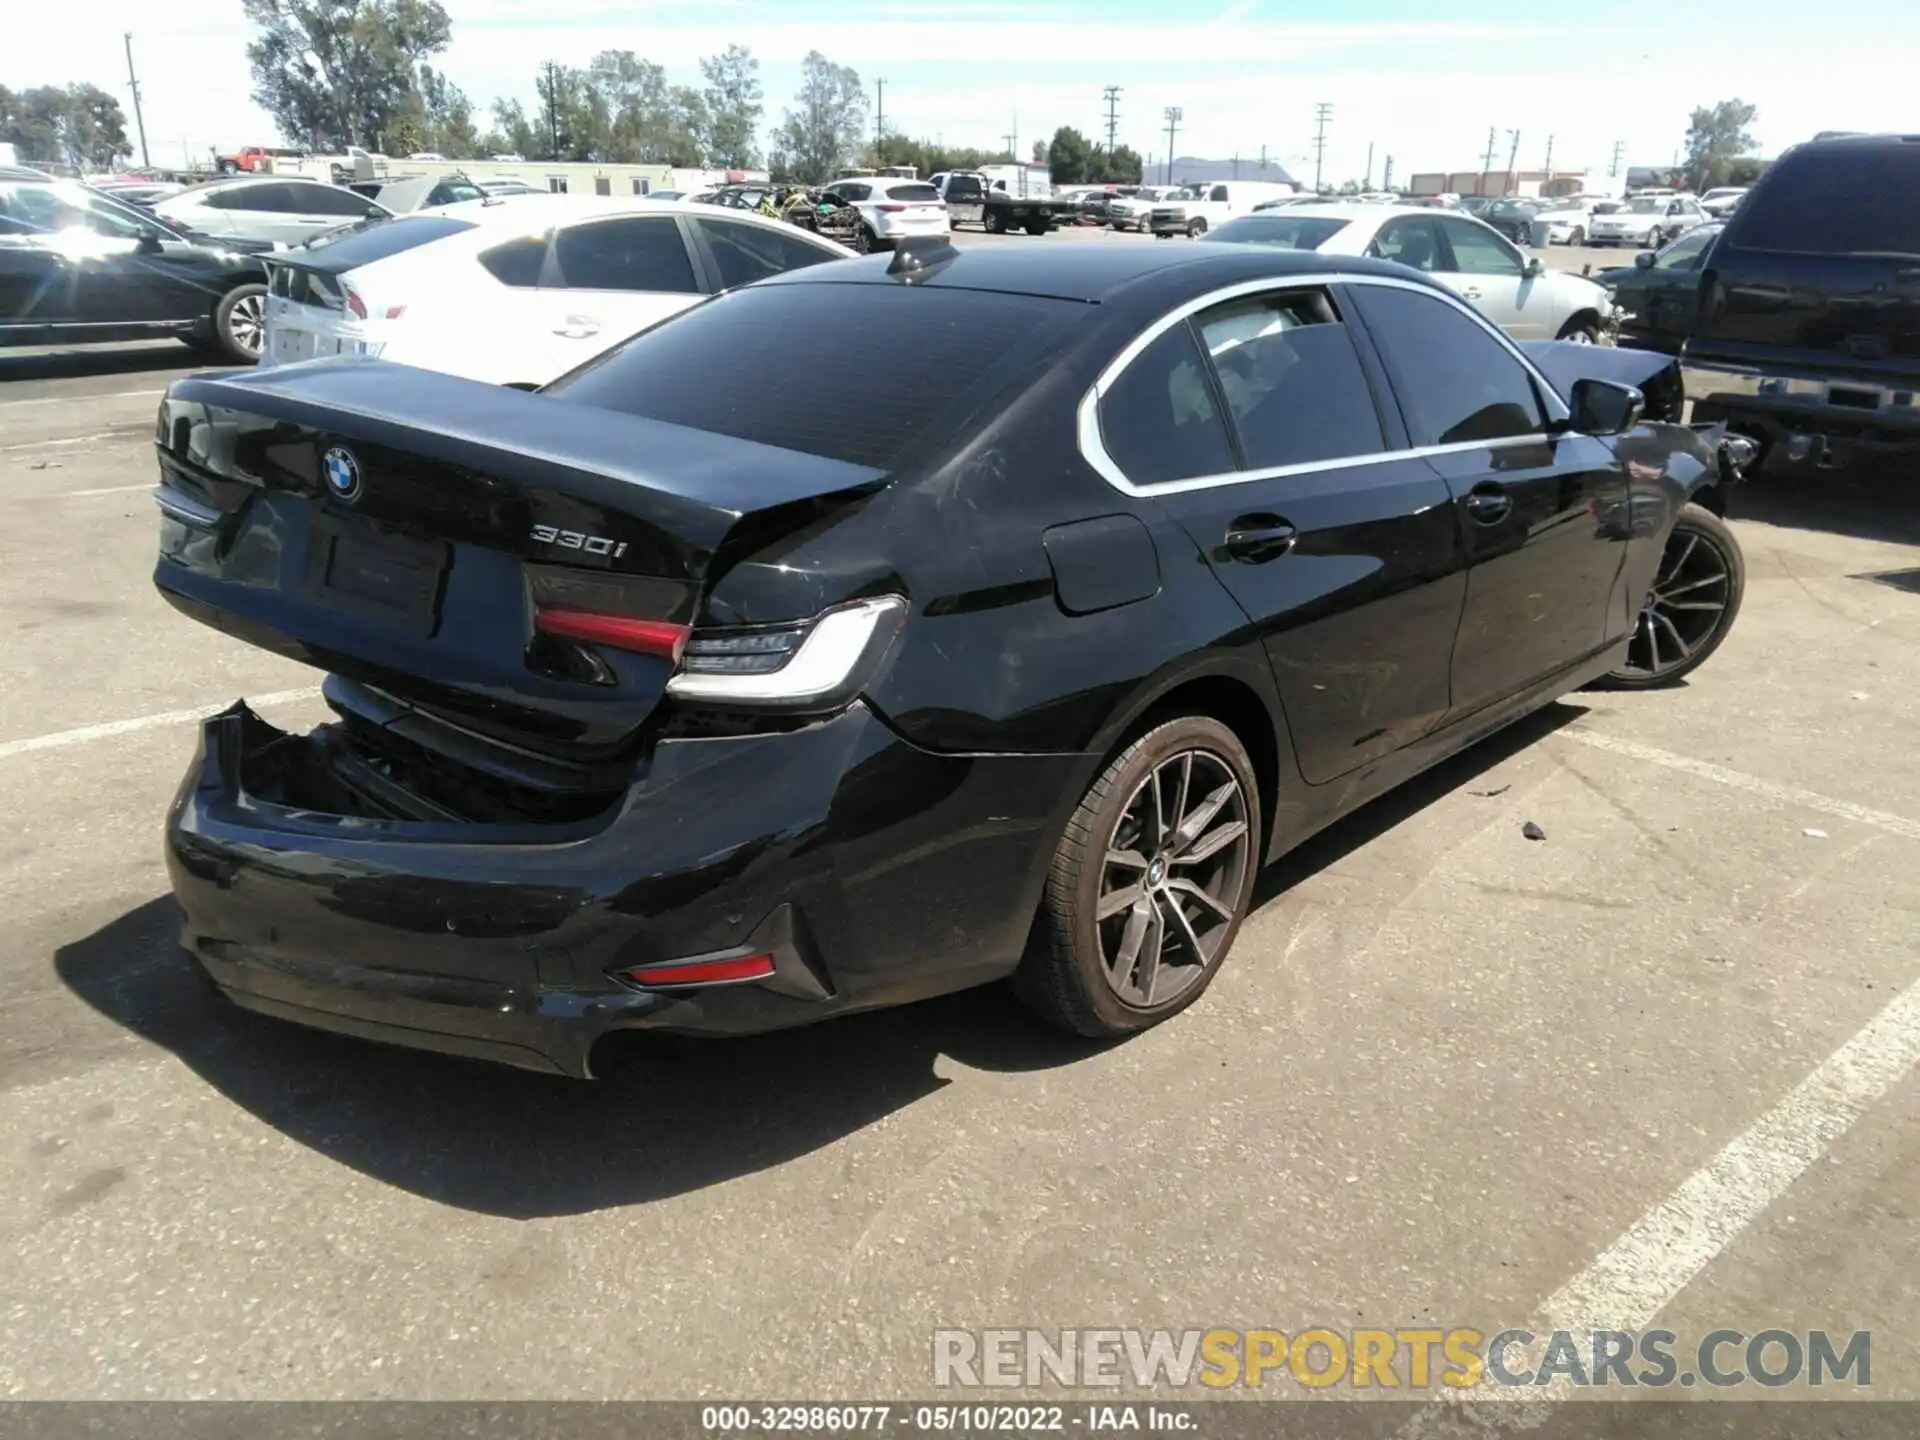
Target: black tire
x: 996, y: 223
x: 1675, y: 615
x: 239, y: 323
x: 865, y: 242
x: 1582, y: 329
x: 1196, y: 228
x: 1578, y: 237
x: 1656, y: 238
x: 1066, y: 976
x: 1038, y: 227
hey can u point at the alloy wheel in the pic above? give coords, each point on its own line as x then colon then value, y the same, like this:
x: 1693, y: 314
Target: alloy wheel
x: 1172, y: 875
x: 1685, y: 607
x: 247, y: 323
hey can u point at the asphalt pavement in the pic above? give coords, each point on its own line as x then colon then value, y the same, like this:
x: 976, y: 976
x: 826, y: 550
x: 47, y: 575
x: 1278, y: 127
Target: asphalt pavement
x: 1656, y: 1067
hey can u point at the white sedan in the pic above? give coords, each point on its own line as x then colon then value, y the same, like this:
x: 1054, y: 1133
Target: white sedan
x: 1647, y: 222
x: 1515, y: 291
x: 520, y: 290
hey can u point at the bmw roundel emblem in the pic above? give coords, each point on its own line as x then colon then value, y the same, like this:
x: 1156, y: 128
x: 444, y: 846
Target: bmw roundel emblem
x: 342, y: 472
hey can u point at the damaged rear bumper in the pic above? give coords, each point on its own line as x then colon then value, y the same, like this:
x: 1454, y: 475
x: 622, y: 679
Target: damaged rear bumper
x: 836, y: 850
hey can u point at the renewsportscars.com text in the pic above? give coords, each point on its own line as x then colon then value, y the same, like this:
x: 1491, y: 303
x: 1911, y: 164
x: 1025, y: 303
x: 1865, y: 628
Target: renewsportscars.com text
x: 1460, y: 1359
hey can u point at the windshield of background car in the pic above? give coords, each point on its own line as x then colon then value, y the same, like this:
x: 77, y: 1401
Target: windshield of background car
x: 40, y: 208
x: 1644, y: 206
x: 1279, y: 231
x: 1836, y: 201
x: 728, y: 366
x: 362, y: 243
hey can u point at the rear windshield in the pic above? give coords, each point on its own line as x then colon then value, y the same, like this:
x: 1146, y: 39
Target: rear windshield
x: 911, y: 191
x: 354, y: 246
x: 1836, y: 201
x: 1280, y: 231
x: 787, y: 364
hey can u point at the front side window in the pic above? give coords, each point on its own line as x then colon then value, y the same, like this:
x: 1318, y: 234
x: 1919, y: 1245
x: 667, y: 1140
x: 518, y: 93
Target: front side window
x: 746, y: 253
x: 1686, y: 253
x: 1292, y: 380
x: 1219, y: 193
x: 1456, y: 384
x: 1478, y: 251
x: 633, y: 253
x: 1159, y: 420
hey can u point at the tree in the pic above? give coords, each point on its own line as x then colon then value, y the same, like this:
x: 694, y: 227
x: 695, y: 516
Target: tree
x: 688, y: 126
x: 732, y: 100
x: 446, y: 118
x: 78, y: 125
x: 827, y: 121
x: 1070, y: 158
x: 512, y: 133
x: 334, y: 73
x: 1716, y: 137
x: 1123, y: 166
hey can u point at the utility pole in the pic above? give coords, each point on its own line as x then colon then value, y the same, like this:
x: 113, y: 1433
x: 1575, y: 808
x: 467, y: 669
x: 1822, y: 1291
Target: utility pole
x: 133, y: 84
x: 1112, y: 97
x: 1173, y: 113
x: 1486, y: 166
x: 1367, y: 184
x: 1513, y: 153
x: 1386, y: 179
x: 1012, y: 137
x: 880, y: 119
x: 1549, y: 158
x: 553, y: 115
x: 1619, y: 147
x: 1322, y: 113
x: 1263, y: 162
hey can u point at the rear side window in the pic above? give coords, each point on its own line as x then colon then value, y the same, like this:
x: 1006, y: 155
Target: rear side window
x: 1835, y: 201
x: 354, y: 248
x: 517, y: 263
x: 746, y: 253
x: 1292, y: 381
x: 728, y: 366
x: 1455, y: 382
x: 258, y: 199
x: 327, y: 200
x: 634, y: 253
x: 1159, y: 422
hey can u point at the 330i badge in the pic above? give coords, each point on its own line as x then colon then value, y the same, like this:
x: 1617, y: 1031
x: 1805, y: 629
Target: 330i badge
x: 712, y: 692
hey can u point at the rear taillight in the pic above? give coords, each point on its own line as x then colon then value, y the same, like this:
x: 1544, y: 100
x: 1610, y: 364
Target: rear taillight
x: 821, y: 664
x: 354, y: 302
x: 659, y: 638
x: 891, y: 209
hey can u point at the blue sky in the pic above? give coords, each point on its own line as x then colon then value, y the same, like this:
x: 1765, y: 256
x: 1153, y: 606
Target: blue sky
x: 1423, y: 82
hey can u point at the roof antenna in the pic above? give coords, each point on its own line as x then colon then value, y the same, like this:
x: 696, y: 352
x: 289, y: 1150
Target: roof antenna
x: 915, y: 258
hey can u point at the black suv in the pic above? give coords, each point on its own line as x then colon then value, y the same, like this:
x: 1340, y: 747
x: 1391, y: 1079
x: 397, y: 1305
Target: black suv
x: 76, y: 265
x: 1808, y: 330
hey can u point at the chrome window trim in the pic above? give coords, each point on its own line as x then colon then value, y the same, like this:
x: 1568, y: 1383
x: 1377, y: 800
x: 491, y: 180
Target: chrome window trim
x: 1093, y: 446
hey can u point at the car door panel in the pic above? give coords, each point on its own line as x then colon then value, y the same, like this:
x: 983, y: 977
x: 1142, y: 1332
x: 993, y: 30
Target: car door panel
x: 34, y: 287
x: 1487, y: 272
x: 609, y: 279
x: 1349, y: 567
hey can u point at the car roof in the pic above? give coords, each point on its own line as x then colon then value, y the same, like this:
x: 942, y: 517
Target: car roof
x: 1092, y: 274
x: 23, y: 172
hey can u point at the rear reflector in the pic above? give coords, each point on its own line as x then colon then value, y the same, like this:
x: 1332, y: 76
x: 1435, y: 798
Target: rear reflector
x: 891, y: 209
x: 704, y: 972
x: 643, y: 637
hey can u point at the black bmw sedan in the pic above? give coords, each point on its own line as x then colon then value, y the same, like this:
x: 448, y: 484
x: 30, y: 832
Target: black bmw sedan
x: 717, y: 689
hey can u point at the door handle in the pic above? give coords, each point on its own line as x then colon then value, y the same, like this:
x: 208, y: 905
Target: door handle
x: 1254, y: 539
x: 1470, y: 293
x: 1489, y: 504
x: 579, y: 327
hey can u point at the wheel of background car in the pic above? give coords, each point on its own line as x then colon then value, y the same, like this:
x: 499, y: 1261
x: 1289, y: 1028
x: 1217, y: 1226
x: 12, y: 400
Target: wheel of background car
x: 1196, y: 228
x: 864, y: 240
x: 1149, y: 883
x: 1580, y: 332
x: 240, y: 322
x: 1579, y: 236
x: 996, y: 222
x: 1038, y: 227
x: 1657, y: 238
x: 1689, y: 609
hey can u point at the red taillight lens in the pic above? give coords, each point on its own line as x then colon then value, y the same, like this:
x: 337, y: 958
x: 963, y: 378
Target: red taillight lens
x: 354, y: 302
x: 892, y: 209
x: 703, y: 972
x: 643, y: 637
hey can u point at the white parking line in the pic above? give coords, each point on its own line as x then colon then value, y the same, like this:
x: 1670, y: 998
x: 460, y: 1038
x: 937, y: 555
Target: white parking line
x: 1752, y: 784
x: 62, y: 399
x: 86, y: 733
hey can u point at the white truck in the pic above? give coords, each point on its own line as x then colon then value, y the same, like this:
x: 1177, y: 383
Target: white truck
x: 1220, y: 201
x: 973, y: 197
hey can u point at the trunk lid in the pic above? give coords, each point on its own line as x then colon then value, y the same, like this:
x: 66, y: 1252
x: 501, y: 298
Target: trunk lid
x: 399, y: 528
x: 1820, y: 266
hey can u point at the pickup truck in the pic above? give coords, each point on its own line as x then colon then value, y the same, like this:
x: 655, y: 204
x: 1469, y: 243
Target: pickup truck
x: 970, y: 200
x: 1213, y: 205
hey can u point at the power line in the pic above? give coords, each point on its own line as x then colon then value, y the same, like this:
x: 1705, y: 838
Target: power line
x: 1322, y: 113
x: 1112, y: 96
x: 1173, y: 114
x: 133, y: 84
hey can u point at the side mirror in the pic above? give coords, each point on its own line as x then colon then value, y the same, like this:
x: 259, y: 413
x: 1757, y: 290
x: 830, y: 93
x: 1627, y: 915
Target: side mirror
x: 1602, y: 407
x: 150, y: 239
x: 1535, y: 268
x: 1644, y: 260
x: 374, y: 212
